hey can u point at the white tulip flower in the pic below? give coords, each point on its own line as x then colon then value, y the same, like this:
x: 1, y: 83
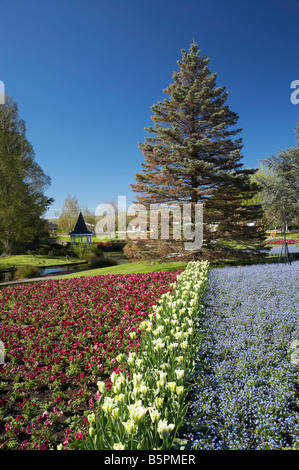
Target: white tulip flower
x: 164, y: 429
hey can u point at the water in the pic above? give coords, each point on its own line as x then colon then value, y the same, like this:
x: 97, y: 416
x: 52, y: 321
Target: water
x: 59, y: 269
x: 47, y: 271
x: 44, y: 272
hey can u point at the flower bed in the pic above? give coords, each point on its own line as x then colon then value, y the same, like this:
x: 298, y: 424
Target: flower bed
x: 146, y: 405
x: 276, y: 250
x: 246, y: 393
x: 60, y: 338
x: 290, y: 241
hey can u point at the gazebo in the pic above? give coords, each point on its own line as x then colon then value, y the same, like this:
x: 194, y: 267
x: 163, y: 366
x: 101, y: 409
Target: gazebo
x: 80, y: 232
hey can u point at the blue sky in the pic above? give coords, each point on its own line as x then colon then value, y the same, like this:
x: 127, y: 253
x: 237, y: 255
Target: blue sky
x: 86, y: 72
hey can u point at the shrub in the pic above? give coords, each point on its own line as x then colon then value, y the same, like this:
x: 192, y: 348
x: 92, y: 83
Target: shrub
x: 25, y: 272
x: 85, y: 252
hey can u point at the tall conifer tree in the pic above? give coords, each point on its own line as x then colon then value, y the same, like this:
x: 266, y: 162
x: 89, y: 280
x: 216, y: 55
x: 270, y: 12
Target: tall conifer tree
x: 193, y: 155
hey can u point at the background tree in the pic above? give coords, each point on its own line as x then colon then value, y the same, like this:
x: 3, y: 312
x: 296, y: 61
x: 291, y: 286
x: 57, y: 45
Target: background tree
x: 69, y: 214
x: 22, y: 183
x: 269, y: 217
x: 297, y: 133
x: 281, y: 191
x: 193, y: 156
x: 89, y: 217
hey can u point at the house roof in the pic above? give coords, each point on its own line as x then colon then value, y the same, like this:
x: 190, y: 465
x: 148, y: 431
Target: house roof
x: 80, y: 227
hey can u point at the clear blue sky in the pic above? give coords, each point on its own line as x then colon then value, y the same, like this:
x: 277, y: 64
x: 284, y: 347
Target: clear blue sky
x: 86, y: 72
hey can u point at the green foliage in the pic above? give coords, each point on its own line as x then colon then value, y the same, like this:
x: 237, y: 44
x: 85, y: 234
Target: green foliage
x: 51, y: 249
x: 192, y: 155
x: 25, y: 272
x: 22, y: 199
x: 280, y: 184
x: 69, y: 214
x: 85, y: 252
x: 268, y: 217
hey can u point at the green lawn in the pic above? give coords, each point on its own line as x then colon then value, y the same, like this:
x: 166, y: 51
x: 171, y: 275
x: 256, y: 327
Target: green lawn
x: 291, y: 235
x: 16, y: 261
x: 128, y: 268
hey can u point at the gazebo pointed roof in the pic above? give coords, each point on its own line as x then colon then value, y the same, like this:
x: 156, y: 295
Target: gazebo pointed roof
x: 80, y: 227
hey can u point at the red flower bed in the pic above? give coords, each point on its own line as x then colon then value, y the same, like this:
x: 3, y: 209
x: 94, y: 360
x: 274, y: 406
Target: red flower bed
x: 290, y: 241
x: 60, y: 338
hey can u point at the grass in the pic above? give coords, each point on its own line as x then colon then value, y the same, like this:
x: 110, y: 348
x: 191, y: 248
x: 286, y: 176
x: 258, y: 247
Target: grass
x: 16, y: 261
x: 129, y: 268
x: 280, y: 236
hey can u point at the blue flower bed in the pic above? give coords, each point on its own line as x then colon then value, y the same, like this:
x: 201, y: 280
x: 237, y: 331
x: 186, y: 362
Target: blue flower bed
x: 246, y: 393
x: 276, y: 250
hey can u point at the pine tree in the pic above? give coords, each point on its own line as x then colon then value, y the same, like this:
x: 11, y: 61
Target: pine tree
x: 193, y: 155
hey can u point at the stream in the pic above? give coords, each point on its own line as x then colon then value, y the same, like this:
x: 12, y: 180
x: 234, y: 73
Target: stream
x: 59, y: 269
